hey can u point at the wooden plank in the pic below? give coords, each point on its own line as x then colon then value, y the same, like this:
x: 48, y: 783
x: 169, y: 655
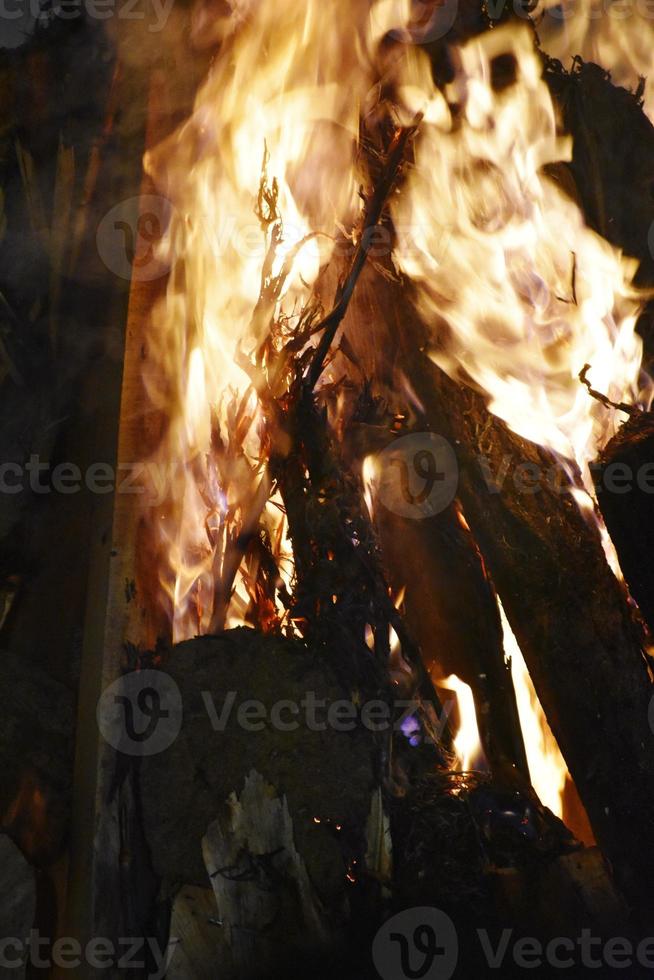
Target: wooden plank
x: 117, y: 611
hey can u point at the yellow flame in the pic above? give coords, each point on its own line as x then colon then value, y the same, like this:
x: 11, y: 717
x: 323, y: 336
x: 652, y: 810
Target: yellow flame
x: 519, y: 292
x: 619, y: 36
x: 467, y: 743
x: 287, y: 88
x: 547, y: 767
x: 369, y: 473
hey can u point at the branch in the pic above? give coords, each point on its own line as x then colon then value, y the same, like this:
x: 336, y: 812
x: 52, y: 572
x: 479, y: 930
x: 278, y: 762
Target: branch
x: 604, y: 399
x: 372, y: 216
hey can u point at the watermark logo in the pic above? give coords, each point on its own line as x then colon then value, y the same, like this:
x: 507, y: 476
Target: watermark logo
x: 19, y: 18
x: 422, y: 944
x: 146, y: 957
x: 141, y: 713
x: 430, y: 20
x: 417, y: 944
x: 417, y: 475
x: 128, y: 237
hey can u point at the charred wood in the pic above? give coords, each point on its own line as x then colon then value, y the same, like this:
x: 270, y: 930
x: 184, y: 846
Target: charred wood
x: 36, y: 753
x: 566, y: 608
x: 625, y: 488
x: 569, y: 615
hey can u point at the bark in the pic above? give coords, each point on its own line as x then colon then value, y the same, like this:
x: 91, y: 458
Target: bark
x: 451, y: 609
x: 457, y: 630
x: 279, y: 812
x: 570, y: 618
x: 625, y: 491
x: 324, y: 770
x: 568, y: 612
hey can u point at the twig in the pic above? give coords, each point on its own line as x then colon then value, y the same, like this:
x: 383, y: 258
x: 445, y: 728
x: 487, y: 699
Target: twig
x: 235, y: 551
x: 573, y: 283
x: 621, y: 406
x: 270, y: 287
x: 372, y: 216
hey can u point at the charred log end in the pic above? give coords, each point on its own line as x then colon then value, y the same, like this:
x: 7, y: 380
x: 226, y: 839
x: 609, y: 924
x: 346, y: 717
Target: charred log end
x: 271, y: 807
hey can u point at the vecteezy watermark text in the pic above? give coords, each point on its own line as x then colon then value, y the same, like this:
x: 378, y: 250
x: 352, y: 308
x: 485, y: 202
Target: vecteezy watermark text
x: 416, y: 476
x: 155, y: 12
x: 141, y: 713
x: 131, y: 237
x: 42, y: 477
x: 423, y: 942
x: 100, y: 953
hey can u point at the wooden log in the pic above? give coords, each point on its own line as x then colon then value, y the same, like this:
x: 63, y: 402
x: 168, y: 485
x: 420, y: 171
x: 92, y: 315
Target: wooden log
x: 567, y: 610
x: 104, y: 868
x: 196, y: 925
x: 270, y: 910
x: 569, y: 615
x: 458, y: 630
x: 612, y: 157
x: 220, y: 741
x: 451, y: 609
x: 497, y: 860
x: 610, y: 173
x: 624, y: 480
x: 304, y: 837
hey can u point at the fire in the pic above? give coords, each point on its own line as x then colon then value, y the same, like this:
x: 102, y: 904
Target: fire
x: 467, y: 743
x: 520, y: 292
x: 275, y: 101
x: 617, y: 36
x: 369, y: 476
x: 547, y: 767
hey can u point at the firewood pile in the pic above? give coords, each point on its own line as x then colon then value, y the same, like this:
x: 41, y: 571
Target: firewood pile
x: 479, y: 845
x: 308, y: 785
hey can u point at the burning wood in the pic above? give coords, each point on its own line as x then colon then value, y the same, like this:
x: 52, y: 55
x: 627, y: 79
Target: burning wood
x: 624, y: 492
x: 261, y: 470
x: 568, y: 624
x: 351, y: 264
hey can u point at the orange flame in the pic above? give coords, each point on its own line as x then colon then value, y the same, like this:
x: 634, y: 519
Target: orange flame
x: 617, y: 36
x: 276, y: 94
x: 547, y: 767
x: 467, y: 743
x: 519, y: 292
